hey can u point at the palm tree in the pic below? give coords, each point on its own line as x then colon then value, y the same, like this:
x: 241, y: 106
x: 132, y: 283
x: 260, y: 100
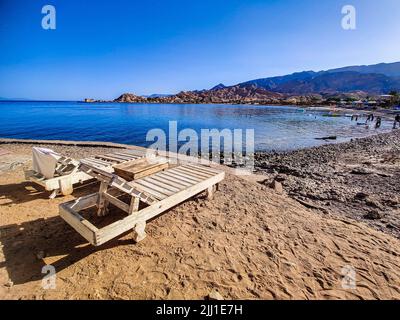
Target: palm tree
x: 395, y: 99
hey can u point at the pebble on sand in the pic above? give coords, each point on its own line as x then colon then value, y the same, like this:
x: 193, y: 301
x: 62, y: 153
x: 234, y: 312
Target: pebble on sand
x: 215, y: 295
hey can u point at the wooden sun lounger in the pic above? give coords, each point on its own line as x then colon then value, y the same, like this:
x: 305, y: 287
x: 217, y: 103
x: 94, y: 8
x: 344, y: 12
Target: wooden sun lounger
x: 67, y: 173
x: 159, y: 191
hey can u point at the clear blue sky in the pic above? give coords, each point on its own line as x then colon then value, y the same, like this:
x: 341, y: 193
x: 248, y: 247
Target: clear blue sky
x: 101, y: 49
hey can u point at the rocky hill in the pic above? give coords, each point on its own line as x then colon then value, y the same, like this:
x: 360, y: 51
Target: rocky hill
x: 130, y: 98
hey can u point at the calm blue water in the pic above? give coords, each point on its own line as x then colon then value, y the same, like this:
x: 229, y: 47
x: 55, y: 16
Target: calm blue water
x: 276, y: 128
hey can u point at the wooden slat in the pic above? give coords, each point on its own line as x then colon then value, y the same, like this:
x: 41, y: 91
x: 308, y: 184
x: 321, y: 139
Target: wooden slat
x: 190, y: 174
x: 126, y: 157
x: 155, y: 187
x: 130, y: 156
x: 162, y: 184
x: 195, y: 173
x: 92, y: 163
x: 120, y: 158
x: 179, y: 177
x: 102, y: 162
x: 200, y: 170
x: 138, y: 153
x: 109, y: 158
x: 183, y: 175
x: 207, y: 169
x: 162, y: 176
x: 116, y: 202
x: 153, y: 192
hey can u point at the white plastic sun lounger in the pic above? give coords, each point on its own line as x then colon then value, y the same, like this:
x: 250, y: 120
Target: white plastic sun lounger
x: 159, y: 192
x: 66, y: 172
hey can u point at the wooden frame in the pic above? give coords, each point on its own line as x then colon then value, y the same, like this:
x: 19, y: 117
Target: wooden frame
x: 139, y: 168
x: 63, y: 183
x: 174, y: 186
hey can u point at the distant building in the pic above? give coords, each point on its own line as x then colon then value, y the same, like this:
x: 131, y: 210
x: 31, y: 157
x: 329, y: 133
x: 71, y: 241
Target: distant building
x: 358, y: 103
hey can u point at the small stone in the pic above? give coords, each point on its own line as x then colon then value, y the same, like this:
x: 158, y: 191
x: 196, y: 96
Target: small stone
x: 373, y: 215
x: 266, y: 228
x: 361, y: 171
x: 270, y: 254
x: 215, y: 295
x: 290, y: 264
x: 277, y: 186
x: 280, y: 178
x: 372, y: 203
x: 9, y: 284
x: 41, y: 255
x: 361, y: 195
x: 195, y: 219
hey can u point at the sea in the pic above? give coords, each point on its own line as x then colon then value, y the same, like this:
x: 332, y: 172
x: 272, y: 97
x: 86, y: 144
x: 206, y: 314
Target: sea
x: 275, y: 128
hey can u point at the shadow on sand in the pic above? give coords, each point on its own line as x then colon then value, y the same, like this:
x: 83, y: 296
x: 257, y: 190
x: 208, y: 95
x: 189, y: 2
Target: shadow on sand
x: 24, y: 244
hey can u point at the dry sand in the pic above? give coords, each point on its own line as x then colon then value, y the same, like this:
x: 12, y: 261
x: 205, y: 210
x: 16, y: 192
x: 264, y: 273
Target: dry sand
x: 249, y: 242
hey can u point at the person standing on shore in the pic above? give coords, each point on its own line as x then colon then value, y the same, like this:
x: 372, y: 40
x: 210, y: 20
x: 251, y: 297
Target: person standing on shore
x: 396, y: 121
x: 378, y: 122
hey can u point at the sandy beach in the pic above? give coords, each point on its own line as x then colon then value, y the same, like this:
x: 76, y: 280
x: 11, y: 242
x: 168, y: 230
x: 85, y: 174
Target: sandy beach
x: 250, y: 242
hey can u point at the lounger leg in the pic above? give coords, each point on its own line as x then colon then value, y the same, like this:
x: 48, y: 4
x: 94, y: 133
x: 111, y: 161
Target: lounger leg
x: 210, y: 192
x: 102, y: 205
x: 54, y: 194
x: 66, y: 186
x: 134, y: 206
x: 139, y: 231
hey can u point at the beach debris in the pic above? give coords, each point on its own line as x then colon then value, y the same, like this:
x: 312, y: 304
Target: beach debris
x: 215, y: 295
x: 327, y: 138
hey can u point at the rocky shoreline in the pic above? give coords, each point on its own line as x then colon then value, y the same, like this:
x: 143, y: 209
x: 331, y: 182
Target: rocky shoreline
x: 358, y: 179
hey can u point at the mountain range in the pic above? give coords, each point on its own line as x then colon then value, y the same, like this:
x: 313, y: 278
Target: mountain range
x: 375, y: 79
x: 353, y: 82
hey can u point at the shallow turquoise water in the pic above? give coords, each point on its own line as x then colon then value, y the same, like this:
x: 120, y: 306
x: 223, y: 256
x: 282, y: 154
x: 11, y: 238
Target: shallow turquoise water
x: 276, y: 127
